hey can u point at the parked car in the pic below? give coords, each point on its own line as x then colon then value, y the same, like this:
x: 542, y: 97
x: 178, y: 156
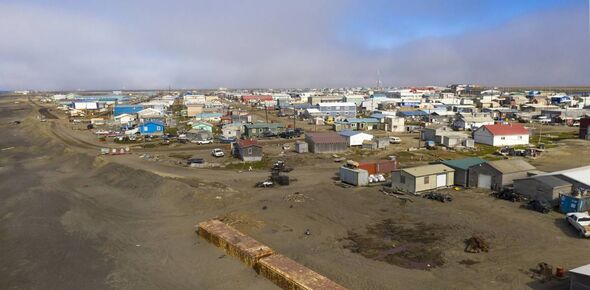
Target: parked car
x: 269, y: 134
x: 581, y: 222
x: 541, y: 206
x: 202, y: 142
x: 395, y: 140
x: 227, y: 139
x: 217, y: 152
x: 101, y: 132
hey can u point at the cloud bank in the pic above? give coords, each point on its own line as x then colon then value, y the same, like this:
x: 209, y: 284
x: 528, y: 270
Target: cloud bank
x: 265, y: 43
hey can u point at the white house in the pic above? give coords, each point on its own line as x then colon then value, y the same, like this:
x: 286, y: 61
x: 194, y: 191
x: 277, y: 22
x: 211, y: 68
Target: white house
x: 502, y: 135
x: 472, y: 122
x: 124, y: 118
x: 149, y: 113
x: 355, y: 138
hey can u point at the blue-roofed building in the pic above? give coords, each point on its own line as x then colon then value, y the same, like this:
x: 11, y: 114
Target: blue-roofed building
x: 152, y: 128
x: 355, y: 138
x: 127, y: 109
x: 416, y: 115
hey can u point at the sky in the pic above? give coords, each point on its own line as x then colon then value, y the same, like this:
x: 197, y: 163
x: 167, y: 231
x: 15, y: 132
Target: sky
x: 133, y: 44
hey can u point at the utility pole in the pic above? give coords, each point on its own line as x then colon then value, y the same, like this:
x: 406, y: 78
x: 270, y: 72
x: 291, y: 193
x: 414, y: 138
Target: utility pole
x: 266, y: 113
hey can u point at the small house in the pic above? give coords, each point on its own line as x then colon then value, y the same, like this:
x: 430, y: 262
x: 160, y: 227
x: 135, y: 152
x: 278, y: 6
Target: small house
x: 124, y: 119
x: 328, y: 142
x: 546, y: 187
x: 202, y: 126
x: 259, y: 129
x: 152, y: 128
x: 355, y: 138
x: 233, y: 130
x: 498, y: 174
x: 248, y: 150
x: 472, y: 121
x: 461, y: 167
x: 423, y: 178
x: 502, y: 135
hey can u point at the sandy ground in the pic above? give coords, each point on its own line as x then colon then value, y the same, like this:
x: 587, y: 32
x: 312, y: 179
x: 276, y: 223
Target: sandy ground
x: 70, y: 219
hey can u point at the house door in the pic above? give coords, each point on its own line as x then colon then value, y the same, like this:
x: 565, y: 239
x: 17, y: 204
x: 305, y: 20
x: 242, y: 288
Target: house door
x: 484, y: 181
x: 441, y: 180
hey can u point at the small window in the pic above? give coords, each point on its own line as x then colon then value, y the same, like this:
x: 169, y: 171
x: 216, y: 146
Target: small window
x: 402, y: 179
x: 426, y: 179
x: 520, y: 137
x: 503, y: 138
x: 249, y: 151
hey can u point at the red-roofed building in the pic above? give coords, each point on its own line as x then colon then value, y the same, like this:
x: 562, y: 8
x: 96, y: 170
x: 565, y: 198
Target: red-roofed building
x: 256, y: 98
x: 502, y: 135
x: 248, y: 150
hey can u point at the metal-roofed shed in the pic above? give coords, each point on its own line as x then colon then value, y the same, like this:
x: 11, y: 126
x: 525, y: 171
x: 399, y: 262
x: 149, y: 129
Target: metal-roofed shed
x: 498, y: 174
x: 547, y: 188
x: 461, y: 167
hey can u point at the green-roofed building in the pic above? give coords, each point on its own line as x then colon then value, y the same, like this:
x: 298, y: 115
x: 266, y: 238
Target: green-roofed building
x: 461, y: 167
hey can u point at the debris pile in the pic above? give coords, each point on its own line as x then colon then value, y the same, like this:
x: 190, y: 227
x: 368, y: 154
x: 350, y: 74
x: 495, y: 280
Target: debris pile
x: 297, y: 197
x: 476, y: 244
x: 442, y: 197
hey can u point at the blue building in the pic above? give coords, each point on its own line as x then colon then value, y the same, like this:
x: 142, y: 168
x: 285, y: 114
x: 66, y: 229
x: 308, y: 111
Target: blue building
x: 127, y: 109
x: 558, y: 100
x: 152, y: 128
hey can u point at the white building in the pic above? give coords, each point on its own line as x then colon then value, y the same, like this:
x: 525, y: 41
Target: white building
x: 355, y: 138
x: 124, y: 118
x: 502, y: 135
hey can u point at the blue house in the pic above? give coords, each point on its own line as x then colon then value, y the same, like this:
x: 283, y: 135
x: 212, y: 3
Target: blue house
x: 152, y: 128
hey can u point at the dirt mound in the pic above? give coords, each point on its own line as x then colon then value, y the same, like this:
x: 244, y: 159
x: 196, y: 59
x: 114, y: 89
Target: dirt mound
x: 413, y: 246
x: 144, y: 184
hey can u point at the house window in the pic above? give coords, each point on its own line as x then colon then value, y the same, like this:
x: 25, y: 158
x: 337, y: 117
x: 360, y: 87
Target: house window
x: 502, y: 138
x: 402, y: 179
x: 145, y: 128
x: 426, y: 179
x: 249, y: 151
x: 520, y: 137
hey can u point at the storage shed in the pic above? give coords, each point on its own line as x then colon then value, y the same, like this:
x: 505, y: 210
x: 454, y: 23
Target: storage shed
x: 423, y: 178
x: 498, y: 174
x: 355, y: 138
x: 354, y: 176
x: 329, y: 142
x: 547, y: 188
x: 580, y: 278
x: 301, y: 147
x: 461, y: 167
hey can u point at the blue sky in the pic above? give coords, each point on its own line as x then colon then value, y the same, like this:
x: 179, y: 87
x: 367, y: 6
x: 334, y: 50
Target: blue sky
x: 308, y: 43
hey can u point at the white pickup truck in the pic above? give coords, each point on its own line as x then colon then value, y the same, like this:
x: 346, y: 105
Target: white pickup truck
x: 580, y: 221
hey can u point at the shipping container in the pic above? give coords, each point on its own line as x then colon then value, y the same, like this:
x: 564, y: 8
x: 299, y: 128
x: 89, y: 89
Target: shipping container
x: 379, y: 167
x: 357, y: 177
x: 568, y: 203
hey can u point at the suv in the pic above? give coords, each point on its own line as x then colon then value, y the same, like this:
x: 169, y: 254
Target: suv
x: 290, y: 134
x: 269, y: 134
x: 217, y: 152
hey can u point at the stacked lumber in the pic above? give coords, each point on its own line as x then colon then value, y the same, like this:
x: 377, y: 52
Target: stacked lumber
x: 233, y: 242
x: 291, y: 275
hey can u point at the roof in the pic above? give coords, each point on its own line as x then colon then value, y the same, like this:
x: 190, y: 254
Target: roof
x: 264, y: 125
x: 153, y: 122
x: 476, y: 119
x: 463, y: 164
x: 361, y: 120
x: 580, y: 174
x: 328, y: 137
x: 511, y: 166
x: 584, y: 270
x: 335, y: 104
x: 248, y: 143
x: 412, y: 113
x: 349, y: 133
x: 428, y: 170
x: 551, y: 181
x: 510, y: 129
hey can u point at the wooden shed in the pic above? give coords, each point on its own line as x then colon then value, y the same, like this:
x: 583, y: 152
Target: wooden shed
x: 329, y: 142
x: 423, y: 178
x: 498, y: 174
